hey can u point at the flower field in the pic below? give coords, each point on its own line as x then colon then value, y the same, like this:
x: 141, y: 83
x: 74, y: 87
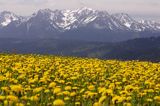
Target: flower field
x: 41, y: 80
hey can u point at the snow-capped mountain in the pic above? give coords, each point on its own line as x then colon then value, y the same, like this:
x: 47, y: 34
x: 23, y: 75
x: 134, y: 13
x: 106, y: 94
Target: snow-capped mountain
x: 7, y: 17
x: 83, y: 23
x: 152, y: 25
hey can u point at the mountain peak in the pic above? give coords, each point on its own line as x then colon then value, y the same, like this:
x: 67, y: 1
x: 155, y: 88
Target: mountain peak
x: 6, y: 17
x: 6, y: 12
x: 45, y: 10
x: 86, y: 8
x: 42, y: 12
x: 122, y: 15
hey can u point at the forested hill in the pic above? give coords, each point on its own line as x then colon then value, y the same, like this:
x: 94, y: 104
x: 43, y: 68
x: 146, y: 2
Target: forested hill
x: 137, y: 49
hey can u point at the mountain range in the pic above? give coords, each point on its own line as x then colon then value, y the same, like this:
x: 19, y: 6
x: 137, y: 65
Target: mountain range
x: 83, y: 24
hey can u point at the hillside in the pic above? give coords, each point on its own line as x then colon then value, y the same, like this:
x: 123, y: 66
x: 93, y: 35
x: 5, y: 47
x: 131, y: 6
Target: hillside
x: 137, y: 49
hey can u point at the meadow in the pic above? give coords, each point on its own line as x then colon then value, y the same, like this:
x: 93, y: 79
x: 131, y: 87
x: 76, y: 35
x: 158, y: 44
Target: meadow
x: 44, y: 80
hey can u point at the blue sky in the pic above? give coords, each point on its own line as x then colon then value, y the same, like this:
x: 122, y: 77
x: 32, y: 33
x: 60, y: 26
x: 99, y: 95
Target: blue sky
x: 149, y: 9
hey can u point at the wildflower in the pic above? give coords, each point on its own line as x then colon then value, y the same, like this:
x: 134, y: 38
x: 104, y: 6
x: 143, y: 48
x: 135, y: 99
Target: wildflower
x: 66, y: 98
x: 91, y: 87
x: 24, y: 97
x: 127, y: 104
x: 36, y: 90
x: 57, y: 90
x: 66, y: 92
x: 12, y: 98
x: 77, y: 103
x: 47, y: 91
x: 157, y: 98
x: 2, y: 98
x: 68, y: 88
x: 58, y: 102
x: 6, y: 89
x: 101, y: 90
x: 102, y: 99
x: 73, y: 94
x: 34, y: 98
x: 149, y: 100
x: 52, y: 85
x: 19, y: 104
x: 97, y: 104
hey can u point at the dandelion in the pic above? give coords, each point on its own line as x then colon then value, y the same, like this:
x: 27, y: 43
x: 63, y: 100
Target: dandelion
x: 68, y: 88
x: 2, y: 98
x: 77, y: 103
x: 12, y: 98
x: 157, y: 98
x: 66, y: 98
x: 52, y: 85
x: 91, y: 87
x: 97, y: 104
x: 58, y: 102
x: 73, y: 94
x: 34, y: 98
x: 57, y: 90
x: 102, y: 99
x: 36, y: 90
x: 19, y: 104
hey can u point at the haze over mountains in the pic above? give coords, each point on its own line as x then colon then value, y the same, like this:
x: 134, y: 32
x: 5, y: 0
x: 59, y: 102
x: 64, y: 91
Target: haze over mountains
x: 83, y: 24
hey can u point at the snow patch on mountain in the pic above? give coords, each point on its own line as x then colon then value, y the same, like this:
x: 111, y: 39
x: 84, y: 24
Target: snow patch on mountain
x: 7, y: 17
x: 89, y: 19
x: 127, y: 24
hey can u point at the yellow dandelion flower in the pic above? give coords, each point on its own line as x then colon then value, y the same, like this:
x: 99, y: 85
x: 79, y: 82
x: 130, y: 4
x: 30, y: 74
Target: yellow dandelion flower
x: 127, y: 104
x: 97, y: 104
x: 149, y: 100
x: 8, y: 103
x: 66, y: 92
x: 6, y: 89
x: 46, y: 91
x: 101, y: 90
x: 157, y: 98
x: 58, y: 102
x: 2, y: 98
x: 73, y: 94
x: 16, y: 88
x: 77, y: 103
x: 36, y: 90
x: 34, y: 98
x: 57, y: 90
x: 91, y: 87
x: 68, y: 88
x: 20, y: 104
x: 66, y: 98
x: 102, y: 99
x: 12, y: 98
x: 24, y: 97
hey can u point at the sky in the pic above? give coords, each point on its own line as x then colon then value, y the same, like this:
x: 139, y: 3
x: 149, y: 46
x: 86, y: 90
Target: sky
x: 147, y: 9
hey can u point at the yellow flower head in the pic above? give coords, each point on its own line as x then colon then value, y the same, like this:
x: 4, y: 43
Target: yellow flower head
x: 97, y: 104
x: 12, y: 98
x: 102, y: 99
x: 57, y: 90
x: 58, y: 102
x: 91, y: 87
x: 68, y: 88
x: 52, y: 85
